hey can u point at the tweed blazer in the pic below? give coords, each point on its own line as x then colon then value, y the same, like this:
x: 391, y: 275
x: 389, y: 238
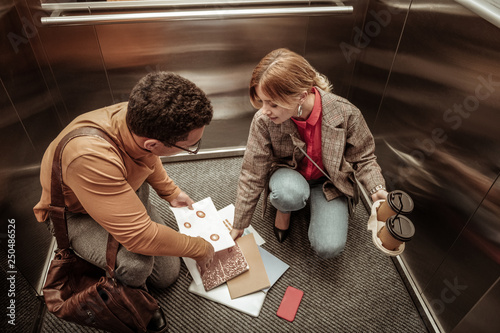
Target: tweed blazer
x: 347, y: 149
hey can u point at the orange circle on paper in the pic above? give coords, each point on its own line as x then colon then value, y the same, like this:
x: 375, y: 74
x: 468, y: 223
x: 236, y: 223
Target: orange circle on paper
x: 214, y: 237
x: 200, y: 214
x: 187, y: 225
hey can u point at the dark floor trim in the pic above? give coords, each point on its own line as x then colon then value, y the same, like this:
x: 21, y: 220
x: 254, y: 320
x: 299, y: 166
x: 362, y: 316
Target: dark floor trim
x: 40, y: 315
x: 205, y: 154
x: 425, y: 315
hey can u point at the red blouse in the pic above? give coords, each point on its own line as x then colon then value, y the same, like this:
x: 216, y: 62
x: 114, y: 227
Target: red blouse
x: 310, y: 133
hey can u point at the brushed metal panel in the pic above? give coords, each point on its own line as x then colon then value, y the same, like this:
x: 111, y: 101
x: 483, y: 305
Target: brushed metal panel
x: 27, y: 106
x: 33, y: 240
x: 26, y: 126
x: 33, y: 110
x: 78, y: 70
x: 218, y: 56
x: 324, y: 46
x: 13, y: 139
x: 19, y: 191
x: 30, y: 14
x: 484, y: 316
x: 438, y: 125
x: 372, y: 47
x: 471, y: 267
x: 23, y: 85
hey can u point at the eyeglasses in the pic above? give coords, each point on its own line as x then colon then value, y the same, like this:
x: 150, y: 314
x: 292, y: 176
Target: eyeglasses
x: 191, y: 149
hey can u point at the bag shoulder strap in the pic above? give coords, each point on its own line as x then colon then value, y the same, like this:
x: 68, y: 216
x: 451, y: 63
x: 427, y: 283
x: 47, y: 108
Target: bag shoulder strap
x: 58, y: 207
x: 111, y: 251
x: 315, y: 164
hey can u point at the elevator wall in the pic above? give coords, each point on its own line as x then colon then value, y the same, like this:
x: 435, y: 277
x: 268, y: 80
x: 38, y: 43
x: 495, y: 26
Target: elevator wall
x: 27, y: 107
x: 431, y: 81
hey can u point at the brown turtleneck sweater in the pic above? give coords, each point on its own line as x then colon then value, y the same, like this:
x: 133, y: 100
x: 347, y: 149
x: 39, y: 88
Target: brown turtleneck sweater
x: 101, y: 182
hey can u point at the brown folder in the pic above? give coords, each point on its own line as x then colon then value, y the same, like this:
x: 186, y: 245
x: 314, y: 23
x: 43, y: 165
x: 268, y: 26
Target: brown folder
x: 255, y: 278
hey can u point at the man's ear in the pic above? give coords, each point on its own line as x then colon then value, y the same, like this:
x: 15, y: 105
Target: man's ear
x: 151, y: 144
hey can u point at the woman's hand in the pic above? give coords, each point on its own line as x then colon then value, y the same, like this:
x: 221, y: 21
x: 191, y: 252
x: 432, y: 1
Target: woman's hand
x: 236, y: 233
x: 379, y: 195
x: 182, y: 200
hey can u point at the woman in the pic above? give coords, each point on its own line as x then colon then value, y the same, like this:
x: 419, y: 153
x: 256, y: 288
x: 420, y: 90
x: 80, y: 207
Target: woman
x: 298, y: 115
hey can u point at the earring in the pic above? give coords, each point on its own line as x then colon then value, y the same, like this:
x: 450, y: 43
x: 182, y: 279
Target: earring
x: 299, y: 110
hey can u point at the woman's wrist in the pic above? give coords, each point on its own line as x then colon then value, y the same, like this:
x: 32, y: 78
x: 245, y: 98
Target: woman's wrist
x: 376, y: 189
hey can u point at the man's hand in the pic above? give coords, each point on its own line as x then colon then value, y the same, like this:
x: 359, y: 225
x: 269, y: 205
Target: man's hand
x: 182, y: 200
x: 204, y: 263
x: 236, y: 233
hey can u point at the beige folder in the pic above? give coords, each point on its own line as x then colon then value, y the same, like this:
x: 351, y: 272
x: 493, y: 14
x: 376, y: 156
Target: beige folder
x: 255, y: 278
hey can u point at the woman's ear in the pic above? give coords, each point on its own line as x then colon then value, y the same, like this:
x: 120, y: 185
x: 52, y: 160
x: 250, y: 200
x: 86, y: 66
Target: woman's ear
x: 303, y: 97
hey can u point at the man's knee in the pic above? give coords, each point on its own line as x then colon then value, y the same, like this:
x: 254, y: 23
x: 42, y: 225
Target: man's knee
x: 134, y: 271
x: 166, y: 272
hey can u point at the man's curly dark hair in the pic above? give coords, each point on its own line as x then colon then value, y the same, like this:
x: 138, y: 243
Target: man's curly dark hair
x: 166, y: 107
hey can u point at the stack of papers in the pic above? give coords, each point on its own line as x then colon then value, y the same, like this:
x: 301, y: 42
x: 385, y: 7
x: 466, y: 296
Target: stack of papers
x: 252, y: 303
x: 244, y: 291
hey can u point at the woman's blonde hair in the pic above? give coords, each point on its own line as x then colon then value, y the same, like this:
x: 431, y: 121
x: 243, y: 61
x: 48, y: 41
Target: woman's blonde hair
x: 283, y: 74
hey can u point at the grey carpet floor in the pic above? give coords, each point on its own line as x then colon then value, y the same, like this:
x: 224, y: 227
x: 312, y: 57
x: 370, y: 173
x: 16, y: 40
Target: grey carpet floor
x: 359, y: 291
x: 24, y: 310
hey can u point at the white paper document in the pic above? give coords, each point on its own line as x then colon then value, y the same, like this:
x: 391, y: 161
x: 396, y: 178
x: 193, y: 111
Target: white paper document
x: 249, y: 304
x: 204, y: 221
x: 227, y: 216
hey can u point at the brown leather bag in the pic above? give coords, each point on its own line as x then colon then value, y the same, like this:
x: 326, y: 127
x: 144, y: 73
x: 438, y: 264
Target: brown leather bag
x: 80, y: 292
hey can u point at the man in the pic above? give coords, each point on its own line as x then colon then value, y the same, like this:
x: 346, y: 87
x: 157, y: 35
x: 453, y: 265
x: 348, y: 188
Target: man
x: 105, y: 189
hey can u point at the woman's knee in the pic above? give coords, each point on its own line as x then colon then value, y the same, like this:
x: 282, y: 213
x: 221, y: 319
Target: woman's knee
x: 288, y: 190
x: 328, y: 250
x: 288, y: 199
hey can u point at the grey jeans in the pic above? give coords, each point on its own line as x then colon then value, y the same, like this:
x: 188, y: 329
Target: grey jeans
x: 290, y: 191
x: 88, y: 239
